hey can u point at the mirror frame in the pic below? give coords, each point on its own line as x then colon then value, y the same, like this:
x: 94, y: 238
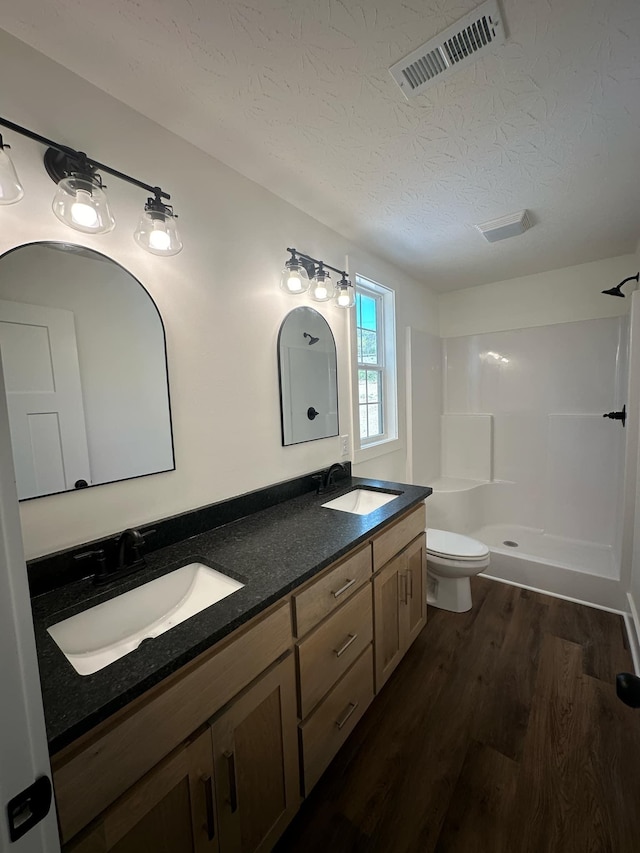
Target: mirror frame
x: 335, y: 353
x: 73, y: 246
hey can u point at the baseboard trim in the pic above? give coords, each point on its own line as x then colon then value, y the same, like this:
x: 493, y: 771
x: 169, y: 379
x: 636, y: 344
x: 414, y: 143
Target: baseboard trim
x: 557, y: 595
x: 632, y: 623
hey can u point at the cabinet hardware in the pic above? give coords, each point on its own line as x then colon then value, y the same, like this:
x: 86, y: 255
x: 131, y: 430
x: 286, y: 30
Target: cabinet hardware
x: 339, y: 652
x: 349, y: 712
x: 403, y: 588
x: 344, y: 588
x: 410, y: 584
x: 208, y: 797
x: 231, y: 770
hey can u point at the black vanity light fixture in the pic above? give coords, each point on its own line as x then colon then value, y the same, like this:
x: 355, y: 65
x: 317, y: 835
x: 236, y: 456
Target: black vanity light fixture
x: 80, y: 200
x: 302, y: 272
x: 616, y: 291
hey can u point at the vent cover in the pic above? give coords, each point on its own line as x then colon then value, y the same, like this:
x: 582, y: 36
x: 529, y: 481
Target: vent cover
x: 456, y: 46
x: 507, y: 226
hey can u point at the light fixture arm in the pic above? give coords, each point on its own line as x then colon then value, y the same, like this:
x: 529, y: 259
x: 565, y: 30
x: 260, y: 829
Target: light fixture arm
x: 315, y: 261
x: 81, y: 157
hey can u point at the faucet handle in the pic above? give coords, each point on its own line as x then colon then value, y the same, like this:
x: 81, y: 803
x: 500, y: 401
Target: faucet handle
x: 100, y: 557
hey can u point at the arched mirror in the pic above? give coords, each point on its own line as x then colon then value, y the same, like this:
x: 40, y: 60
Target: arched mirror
x: 308, y: 377
x: 85, y: 370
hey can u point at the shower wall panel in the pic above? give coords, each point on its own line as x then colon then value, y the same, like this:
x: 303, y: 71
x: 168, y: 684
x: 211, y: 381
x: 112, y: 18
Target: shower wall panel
x: 547, y: 388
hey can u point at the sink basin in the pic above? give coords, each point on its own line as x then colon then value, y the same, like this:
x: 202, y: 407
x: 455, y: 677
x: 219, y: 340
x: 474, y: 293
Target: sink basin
x: 96, y: 637
x: 361, y: 501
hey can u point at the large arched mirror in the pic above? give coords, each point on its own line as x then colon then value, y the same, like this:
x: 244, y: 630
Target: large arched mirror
x: 85, y: 370
x: 308, y: 377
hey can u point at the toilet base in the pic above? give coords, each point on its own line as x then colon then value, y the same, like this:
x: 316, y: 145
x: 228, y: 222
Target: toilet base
x: 453, y: 594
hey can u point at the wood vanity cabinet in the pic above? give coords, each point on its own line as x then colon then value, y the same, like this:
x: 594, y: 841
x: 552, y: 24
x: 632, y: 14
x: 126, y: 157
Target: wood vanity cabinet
x: 216, y: 757
x: 232, y: 788
x: 171, y: 809
x: 333, y: 615
x: 399, y: 592
x: 255, y: 757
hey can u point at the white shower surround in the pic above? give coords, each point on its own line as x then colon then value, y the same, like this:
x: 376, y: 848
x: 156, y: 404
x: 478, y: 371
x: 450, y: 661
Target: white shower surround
x: 557, y: 465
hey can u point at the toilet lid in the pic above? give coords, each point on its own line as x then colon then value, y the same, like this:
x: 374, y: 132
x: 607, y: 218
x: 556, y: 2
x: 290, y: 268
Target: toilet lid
x: 446, y: 544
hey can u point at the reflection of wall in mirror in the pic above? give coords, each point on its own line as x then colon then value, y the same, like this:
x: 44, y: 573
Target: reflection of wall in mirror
x: 118, y: 333
x: 312, y: 378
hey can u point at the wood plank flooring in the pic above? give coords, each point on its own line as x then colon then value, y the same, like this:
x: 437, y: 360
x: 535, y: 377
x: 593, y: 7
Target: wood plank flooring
x: 500, y: 732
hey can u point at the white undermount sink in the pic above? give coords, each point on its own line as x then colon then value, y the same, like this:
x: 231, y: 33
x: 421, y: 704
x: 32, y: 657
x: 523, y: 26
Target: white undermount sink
x: 361, y: 501
x: 96, y: 637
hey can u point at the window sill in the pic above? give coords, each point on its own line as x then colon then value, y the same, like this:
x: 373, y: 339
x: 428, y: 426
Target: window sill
x: 381, y: 448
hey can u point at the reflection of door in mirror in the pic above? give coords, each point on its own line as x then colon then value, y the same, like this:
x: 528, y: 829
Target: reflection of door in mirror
x: 44, y: 396
x: 308, y: 377
x: 121, y: 362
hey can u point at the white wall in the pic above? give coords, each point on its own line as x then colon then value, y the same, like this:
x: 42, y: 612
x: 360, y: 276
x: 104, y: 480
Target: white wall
x: 219, y: 300
x: 120, y: 350
x: 559, y: 296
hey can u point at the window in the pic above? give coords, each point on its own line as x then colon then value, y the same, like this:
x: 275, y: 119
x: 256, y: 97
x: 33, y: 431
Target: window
x: 375, y: 360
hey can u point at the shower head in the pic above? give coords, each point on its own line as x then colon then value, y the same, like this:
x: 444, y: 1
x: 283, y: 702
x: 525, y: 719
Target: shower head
x: 312, y: 340
x: 616, y: 291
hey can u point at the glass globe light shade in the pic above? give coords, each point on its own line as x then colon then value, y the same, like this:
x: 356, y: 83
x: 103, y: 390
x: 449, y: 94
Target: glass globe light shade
x: 345, y: 296
x: 322, y: 289
x: 81, y: 203
x: 157, y: 232
x: 10, y: 187
x: 295, y: 278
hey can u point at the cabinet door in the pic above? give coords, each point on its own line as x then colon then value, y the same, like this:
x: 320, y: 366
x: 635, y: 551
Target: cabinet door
x: 389, y: 591
x: 255, y: 747
x: 171, y: 809
x: 414, y: 608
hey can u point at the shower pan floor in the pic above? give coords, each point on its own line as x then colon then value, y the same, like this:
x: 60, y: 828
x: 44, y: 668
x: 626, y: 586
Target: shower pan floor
x: 538, y: 546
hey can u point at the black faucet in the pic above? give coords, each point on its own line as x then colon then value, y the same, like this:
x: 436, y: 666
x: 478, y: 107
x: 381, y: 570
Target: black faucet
x: 326, y: 483
x: 129, y: 544
x: 128, y: 556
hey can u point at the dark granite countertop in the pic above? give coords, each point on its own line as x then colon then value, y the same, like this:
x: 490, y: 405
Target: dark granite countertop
x: 271, y: 551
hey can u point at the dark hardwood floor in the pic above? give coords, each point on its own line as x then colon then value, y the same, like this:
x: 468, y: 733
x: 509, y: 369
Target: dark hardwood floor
x: 500, y: 732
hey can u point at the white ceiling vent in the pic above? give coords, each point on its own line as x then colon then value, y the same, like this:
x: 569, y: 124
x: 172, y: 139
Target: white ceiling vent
x: 456, y: 46
x: 506, y: 226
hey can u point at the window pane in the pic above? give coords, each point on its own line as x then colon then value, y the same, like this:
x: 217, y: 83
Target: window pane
x: 359, y: 334
x: 368, y: 312
x: 374, y: 425
x: 363, y: 422
x: 368, y: 341
x: 362, y: 386
x: 373, y: 390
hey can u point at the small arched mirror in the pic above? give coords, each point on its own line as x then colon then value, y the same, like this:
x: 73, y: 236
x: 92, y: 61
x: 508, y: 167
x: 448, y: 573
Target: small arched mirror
x: 308, y: 377
x: 85, y: 370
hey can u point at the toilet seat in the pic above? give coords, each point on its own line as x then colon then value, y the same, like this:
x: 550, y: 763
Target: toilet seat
x: 445, y: 545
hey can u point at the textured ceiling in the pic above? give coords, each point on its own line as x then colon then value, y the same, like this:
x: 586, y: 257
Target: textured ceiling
x: 296, y: 95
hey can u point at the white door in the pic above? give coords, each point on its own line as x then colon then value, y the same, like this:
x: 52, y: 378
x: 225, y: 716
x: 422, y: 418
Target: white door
x: 23, y: 745
x: 44, y: 394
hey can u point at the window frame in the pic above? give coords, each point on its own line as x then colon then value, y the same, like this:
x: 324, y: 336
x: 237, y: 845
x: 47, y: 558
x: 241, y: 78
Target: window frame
x: 388, y: 441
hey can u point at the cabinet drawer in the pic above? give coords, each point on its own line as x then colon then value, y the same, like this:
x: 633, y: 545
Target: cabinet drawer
x: 334, y: 719
x: 330, y: 591
x: 398, y: 536
x: 328, y: 652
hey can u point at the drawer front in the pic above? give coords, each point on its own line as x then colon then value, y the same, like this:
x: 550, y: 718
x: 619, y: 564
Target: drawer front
x: 328, y: 652
x: 94, y: 777
x: 334, y: 719
x: 398, y: 536
x: 331, y: 590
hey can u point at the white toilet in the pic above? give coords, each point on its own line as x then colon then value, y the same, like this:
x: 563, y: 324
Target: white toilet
x: 451, y: 560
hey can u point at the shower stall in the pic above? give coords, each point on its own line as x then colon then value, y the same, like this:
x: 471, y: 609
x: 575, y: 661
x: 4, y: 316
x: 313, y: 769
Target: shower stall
x: 529, y: 464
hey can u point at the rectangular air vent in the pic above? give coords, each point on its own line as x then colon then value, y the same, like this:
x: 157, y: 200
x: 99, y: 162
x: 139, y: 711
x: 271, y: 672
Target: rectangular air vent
x: 458, y: 45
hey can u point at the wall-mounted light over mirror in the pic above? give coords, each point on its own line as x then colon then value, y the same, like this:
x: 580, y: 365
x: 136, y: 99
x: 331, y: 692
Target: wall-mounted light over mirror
x: 85, y: 366
x: 80, y: 200
x: 307, y: 367
x: 303, y: 273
